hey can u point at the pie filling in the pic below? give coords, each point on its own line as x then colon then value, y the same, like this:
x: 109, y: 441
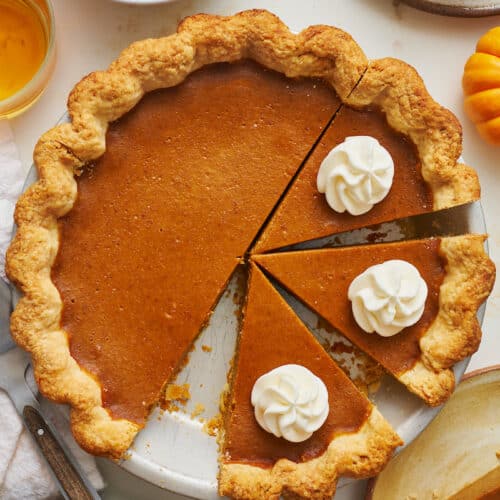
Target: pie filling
x: 271, y: 336
x: 161, y: 219
x: 305, y: 214
x: 321, y: 279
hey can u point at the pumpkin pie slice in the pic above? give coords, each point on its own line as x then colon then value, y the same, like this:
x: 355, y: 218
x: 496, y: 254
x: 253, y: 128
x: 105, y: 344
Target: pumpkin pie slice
x: 152, y: 194
x: 354, y: 439
x: 391, y: 105
x: 458, y: 275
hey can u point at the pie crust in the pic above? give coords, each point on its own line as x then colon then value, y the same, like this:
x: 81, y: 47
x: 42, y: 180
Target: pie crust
x: 455, y: 333
x: 361, y: 454
x: 100, y: 98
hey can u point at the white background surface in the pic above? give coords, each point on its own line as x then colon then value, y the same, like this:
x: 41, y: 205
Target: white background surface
x: 91, y: 33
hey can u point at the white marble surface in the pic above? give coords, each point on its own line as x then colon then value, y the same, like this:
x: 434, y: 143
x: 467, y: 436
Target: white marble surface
x: 90, y: 33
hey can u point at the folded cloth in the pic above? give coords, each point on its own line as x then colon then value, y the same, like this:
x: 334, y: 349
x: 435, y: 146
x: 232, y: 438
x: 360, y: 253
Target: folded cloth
x: 23, y: 472
x: 11, y: 182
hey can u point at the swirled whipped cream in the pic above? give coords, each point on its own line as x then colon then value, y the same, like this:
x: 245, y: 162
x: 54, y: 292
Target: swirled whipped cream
x: 290, y: 402
x: 355, y: 175
x: 388, y: 297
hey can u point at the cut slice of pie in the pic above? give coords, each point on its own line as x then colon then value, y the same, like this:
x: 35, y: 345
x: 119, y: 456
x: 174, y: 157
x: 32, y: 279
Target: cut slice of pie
x: 459, y: 276
x: 355, y: 440
x: 181, y: 149
x: 390, y: 104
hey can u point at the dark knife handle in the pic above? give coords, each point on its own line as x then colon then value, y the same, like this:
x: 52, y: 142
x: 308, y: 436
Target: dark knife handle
x: 70, y: 480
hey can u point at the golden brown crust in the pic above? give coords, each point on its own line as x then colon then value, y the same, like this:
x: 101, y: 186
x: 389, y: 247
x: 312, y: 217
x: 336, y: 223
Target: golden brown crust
x: 99, y: 99
x: 470, y: 275
x: 455, y: 333
x: 35, y: 321
x: 360, y: 454
x: 397, y: 89
x: 433, y: 387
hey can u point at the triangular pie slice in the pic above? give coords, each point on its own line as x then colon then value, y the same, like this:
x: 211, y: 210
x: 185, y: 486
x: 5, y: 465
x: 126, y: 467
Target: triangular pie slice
x: 391, y: 104
x: 355, y: 440
x: 459, y: 276
x: 151, y: 196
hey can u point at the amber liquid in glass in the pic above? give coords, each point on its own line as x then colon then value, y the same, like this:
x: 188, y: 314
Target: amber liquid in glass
x: 23, y: 44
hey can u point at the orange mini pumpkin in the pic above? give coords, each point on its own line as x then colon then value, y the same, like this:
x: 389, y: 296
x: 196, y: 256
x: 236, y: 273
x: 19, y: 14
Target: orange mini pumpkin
x: 481, y: 84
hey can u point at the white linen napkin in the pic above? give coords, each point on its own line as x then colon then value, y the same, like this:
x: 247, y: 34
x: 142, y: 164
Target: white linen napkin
x: 11, y: 182
x: 23, y: 473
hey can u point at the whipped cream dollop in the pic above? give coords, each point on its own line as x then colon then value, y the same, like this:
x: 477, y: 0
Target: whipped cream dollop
x: 290, y: 402
x: 356, y: 174
x: 388, y: 297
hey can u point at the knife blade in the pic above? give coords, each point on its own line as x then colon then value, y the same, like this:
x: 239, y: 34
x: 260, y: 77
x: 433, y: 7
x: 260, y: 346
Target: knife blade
x: 14, y: 363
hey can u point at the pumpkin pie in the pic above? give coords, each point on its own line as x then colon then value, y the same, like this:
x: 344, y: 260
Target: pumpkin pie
x: 458, y: 274
x: 354, y: 440
x: 390, y: 104
x: 151, y: 196
x: 158, y: 187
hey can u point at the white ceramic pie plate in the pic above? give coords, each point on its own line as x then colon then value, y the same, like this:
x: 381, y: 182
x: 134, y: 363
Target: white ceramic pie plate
x: 174, y: 452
